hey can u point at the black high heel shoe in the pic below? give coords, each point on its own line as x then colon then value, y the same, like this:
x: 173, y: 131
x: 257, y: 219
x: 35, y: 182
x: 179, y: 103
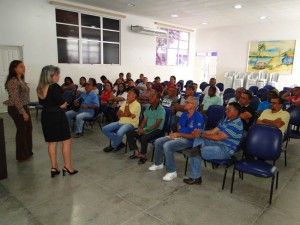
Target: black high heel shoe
x: 54, y: 172
x: 65, y: 170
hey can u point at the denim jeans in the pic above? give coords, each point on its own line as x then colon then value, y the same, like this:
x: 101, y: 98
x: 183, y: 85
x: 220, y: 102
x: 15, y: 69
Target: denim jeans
x: 169, y: 146
x: 115, y: 132
x: 79, y: 116
x: 209, y: 150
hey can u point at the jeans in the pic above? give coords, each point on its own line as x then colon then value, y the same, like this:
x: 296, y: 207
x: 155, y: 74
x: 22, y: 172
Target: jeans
x: 144, y: 138
x: 174, y: 122
x: 169, y: 146
x: 79, y: 116
x: 115, y: 132
x: 209, y: 150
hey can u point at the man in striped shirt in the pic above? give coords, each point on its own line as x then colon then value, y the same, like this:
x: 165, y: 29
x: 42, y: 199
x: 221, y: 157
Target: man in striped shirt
x: 218, y: 143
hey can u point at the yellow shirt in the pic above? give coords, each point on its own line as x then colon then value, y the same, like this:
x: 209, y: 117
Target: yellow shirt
x: 134, y: 108
x: 284, y: 115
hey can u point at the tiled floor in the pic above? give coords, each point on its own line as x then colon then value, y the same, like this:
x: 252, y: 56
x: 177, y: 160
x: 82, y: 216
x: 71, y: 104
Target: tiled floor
x: 111, y: 189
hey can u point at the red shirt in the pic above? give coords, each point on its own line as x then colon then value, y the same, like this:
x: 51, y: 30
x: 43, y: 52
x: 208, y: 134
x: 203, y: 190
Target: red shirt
x: 105, y: 96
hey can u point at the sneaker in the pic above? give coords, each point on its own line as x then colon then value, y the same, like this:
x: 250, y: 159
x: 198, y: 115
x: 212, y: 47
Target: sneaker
x: 155, y: 167
x: 170, y: 176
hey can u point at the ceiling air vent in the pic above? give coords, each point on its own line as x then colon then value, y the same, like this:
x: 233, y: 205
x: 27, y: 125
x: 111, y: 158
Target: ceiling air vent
x: 147, y: 30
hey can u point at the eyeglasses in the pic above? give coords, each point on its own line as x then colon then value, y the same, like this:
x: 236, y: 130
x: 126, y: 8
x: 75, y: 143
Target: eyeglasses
x: 187, y: 102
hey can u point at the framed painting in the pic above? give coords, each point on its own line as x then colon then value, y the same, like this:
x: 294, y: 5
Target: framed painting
x: 274, y: 56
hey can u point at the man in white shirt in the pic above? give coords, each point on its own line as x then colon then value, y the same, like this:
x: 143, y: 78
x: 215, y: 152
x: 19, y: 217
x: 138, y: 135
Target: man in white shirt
x: 212, y: 83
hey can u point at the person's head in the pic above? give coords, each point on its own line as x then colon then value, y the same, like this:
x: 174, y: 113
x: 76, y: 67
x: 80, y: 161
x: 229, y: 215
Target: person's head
x: 172, y: 79
x: 141, y: 76
x: 107, y: 86
x: 49, y: 75
x: 189, y: 90
x: 233, y: 110
x: 82, y: 81
x: 16, y: 68
x: 191, y: 103
x: 172, y: 92
x: 276, y: 104
x: 128, y: 76
x: 212, y: 91
x: 93, y: 81
x: 154, y: 98
x: 132, y: 95
x: 145, y: 80
x: 121, y: 88
x: 149, y: 85
x: 118, y: 81
x: 88, y: 87
x: 121, y: 76
x: 68, y: 80
x: 130, y: 83
x: 103, y: 79
x: 212, y: 82
x: 245, y: 98
x: 195, y: 86
x: 157, y: 80
x: 271, y: 94
x: 238, y: 93
x: 296, y: 91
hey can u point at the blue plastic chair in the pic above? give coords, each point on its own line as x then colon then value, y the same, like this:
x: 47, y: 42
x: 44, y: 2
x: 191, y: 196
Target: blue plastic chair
x: 203, y: 85
x: 220, y: 86
x: 293, y: 130
x: 254, y: 89
x: 99, y: 86
x: 215, y: 114
x: 260, y: 92
x: 254, y: 102
x: 227, y: 96
x: 264, y: 96
x: 228, y: 90
x: 261, y: 149
x: 180, y: 85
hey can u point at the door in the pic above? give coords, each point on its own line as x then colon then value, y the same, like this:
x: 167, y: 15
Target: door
x: 208, y: 65
x: 7, y: 54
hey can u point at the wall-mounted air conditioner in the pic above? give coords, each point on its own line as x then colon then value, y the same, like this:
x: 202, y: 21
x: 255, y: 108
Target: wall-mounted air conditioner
x: 147, y: 30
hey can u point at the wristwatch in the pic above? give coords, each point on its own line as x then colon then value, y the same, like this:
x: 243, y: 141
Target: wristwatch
x: 126, y: 104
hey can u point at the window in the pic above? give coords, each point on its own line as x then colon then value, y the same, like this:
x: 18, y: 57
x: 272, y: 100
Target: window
x: 172, y: 50
x: 87, y: 39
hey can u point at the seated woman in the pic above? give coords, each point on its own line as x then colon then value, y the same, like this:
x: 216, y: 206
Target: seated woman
x: 116, y: 84
x: 81, y: 86
x: 107, y: 93
x: 115, y: 101
x: 171, y: 84
x: 68, y: 84
x: 95, y: 89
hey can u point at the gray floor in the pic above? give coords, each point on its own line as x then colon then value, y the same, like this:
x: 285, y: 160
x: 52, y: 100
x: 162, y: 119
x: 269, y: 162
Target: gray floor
x: 111, y: 189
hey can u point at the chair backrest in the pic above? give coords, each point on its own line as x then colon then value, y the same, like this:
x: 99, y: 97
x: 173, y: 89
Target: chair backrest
x: 99, y: 86
x: 274, y: 77
x: 180, y: 85
x: 252, y: 76
x: 168, y: 119
x: 264, y: 96
x: 228, y: 96
x: 254, y: 102
x: 203, y: 85
x: 254, y: 89
x: 228, y: 90
x: 263, y: 74
x: 264, y: 142
x: 215, y: 114
x: 261, y: 91
x: 220, y: 86
x: 269, y: 87
x: 230, y: 73
x: 189, y: 82
x: 294, y: 116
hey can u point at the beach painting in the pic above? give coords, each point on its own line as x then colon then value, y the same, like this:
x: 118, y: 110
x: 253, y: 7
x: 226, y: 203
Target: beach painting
x: 274, y: 56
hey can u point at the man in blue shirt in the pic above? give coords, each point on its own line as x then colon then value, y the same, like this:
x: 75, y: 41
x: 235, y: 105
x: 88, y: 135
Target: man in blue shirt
x: 218, y: 143
x: 88, y: 102
x: 266, y: 104
x: 183, y: 138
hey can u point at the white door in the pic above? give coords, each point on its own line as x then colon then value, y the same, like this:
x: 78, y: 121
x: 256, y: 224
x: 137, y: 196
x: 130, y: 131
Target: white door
x: 208, y: 65
x: 7, y: 54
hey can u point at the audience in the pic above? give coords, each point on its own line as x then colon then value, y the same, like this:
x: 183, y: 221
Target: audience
x: 104, y: 80
x: 144, y: 97
x: 142, y: 85
x: 247, y: 114
x: 107, y: 93
x: 295, y: 98
x: 94, y: 87
x: 150, y: 128
x: 170, y: 99
x: 238, y: 93
x: 210, y: 99
x: 140, y: 79
x: 171, y: 84
x: 157, y: 86
x: 68, y: 84
x: 130, y: 85
x: 212, y: 83
x: 266, y: 104
x: 81, y: 86
x: 128, y: 76
x: 184, y: 138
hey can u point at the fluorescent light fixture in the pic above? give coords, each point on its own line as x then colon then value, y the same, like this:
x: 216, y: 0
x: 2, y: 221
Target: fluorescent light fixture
x: 174, y: 15
x: 204, y: 23
x: 263, y: 17
x: 237, y: 6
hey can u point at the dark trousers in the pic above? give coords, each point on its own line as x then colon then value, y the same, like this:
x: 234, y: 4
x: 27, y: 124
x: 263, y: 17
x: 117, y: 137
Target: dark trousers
x: 24, y: 133
x: 144, y: 138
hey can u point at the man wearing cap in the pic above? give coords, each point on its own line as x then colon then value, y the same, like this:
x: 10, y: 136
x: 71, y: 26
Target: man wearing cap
x: 87, y: 102
x: 157, y: 86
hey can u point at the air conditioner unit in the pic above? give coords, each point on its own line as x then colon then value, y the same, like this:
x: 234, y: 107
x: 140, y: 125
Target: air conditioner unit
x: 147, y: 30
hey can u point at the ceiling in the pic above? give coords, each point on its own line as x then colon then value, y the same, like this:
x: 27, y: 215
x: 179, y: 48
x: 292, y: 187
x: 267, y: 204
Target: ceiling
x: 192, y: 13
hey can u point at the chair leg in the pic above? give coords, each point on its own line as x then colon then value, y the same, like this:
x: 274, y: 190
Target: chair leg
x: 186, y: 164
x: 232, y: 180
x: 224, y: 177
x: 153, y: 152
x: 126, y: 145
x: 277, y: 176
x: 204, y: 163
x: 285, y: 161
x: 271, y: 191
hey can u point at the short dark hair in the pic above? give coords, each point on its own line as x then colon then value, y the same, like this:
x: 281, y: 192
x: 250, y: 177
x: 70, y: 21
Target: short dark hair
x: 280, y: 100
x: 248, y: 93
x: 136, y: 92
x: 103, y: 77
x: 173, y: 77
x: 213, y: 88
x: 236, y: 106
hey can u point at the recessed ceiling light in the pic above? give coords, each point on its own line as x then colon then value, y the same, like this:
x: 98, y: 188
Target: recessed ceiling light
x: 204, y: 23
x: 238, y: 6
x: 263, y: 17
x: 130, y: 4
x: 174, y: 16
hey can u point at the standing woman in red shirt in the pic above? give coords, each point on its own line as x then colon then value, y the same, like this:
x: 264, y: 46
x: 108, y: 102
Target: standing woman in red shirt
x: 18, y: 93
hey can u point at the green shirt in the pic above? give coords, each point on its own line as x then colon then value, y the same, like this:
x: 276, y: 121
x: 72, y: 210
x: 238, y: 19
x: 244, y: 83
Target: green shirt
x: 152, y: 115
x: 208, y: 101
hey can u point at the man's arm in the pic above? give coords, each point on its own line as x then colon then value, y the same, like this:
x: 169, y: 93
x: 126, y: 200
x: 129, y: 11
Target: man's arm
x: 274, y: 123
x: 286, y: 95
x: 246, y: 116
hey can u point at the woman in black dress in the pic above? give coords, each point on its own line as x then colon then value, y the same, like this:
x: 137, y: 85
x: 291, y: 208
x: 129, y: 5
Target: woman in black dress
x: 54, y: 121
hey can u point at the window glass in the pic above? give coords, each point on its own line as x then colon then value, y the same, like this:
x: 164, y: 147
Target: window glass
x: 68, y: 51
x: 111, y: 53
x: 111, y: 24
x: 67, y: 31
x: 111, y: 36
x: 91, y: 34
x: 91, y: 52
x: 90, y: 21
x: 63, y: 16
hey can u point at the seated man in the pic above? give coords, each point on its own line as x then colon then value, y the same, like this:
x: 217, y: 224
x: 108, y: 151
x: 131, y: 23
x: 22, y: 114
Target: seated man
x: 236, y: 98
x: 247, y: 114
x: 150, y: 128
x: 170, y: 99
x: 210, y: 99
x: 144, y: 97
x: 295, y: 99
x: 266, y: 104
x: 212, y: 83
x: 129, y: 114
x: 218, y: 143
x: 275, y: 116
x: 87, y: 102
x: 184, y: 138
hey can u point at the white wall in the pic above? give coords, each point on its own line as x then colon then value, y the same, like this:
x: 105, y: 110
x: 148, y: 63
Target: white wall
x: 232, y: 43
x: 31, y: 24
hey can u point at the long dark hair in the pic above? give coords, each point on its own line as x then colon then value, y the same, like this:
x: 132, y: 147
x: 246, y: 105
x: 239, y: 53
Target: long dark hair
x: 68, y: 78
x: 12, y: 71
x: 124, y: 89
